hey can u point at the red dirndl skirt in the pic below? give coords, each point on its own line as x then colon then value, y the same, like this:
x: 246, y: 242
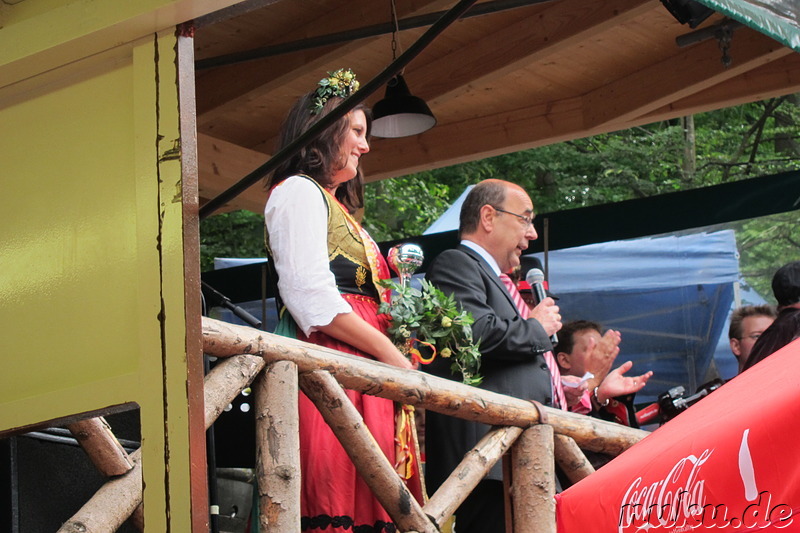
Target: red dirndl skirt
x: 334, y: 497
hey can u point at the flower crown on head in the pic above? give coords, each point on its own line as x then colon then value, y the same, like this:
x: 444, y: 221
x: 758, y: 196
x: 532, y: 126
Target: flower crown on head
x: 341, y: 83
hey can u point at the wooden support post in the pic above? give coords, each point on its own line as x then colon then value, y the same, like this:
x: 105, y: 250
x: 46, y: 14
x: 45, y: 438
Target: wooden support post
x: 371, y: 464
x: 571, y: 459
x: 508, y: 511
x: 111, y: 505
x: 137, y: 517
x: 534, y: 481
x: 278, y: 448
x: 472, y: 469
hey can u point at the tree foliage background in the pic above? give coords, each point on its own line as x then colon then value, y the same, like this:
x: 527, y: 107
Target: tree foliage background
x: 696, y: 151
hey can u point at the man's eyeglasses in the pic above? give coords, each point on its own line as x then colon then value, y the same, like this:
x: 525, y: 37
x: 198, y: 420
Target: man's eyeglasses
x: 528, y: 220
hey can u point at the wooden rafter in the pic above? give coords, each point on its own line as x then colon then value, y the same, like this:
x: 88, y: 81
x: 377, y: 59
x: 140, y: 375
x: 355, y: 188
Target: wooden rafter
x: 677, y: 77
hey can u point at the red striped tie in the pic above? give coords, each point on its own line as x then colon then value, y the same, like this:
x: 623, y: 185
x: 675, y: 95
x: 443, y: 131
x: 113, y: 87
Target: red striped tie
x: 524, y: 311
x: 511, y: 287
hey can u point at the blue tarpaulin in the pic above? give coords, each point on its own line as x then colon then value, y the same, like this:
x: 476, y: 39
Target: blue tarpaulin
x: 669, y: 296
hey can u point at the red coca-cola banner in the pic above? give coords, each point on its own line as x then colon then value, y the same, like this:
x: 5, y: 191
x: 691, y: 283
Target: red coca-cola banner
x: 730, y: 462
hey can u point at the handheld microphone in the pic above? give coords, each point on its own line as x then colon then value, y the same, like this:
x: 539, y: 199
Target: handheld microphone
x: 535, y: 279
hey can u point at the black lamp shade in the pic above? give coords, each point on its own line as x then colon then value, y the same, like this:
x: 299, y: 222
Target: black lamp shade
x: 688, y: 11
x: 400, y: 113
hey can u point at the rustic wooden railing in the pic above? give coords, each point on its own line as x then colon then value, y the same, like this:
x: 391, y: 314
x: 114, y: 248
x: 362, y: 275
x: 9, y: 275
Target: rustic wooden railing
x: 536, y: 436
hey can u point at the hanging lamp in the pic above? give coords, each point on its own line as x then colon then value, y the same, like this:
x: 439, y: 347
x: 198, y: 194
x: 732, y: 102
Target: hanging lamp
x: 400, y: 113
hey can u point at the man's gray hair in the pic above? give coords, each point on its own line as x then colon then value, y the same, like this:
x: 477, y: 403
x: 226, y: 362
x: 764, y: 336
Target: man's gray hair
x: 489, y: 192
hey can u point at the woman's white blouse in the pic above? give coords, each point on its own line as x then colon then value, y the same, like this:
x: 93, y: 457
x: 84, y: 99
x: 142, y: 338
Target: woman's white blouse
x: 296, y: 216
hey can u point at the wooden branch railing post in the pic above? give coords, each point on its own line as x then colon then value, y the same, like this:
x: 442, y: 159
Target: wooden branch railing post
x: 571, y: 459
x: 278, y: 448
x: 226, y: 380
x: 472, y: 469
x: 104, y: 450
x: 534, y: 481
x: 106, y: 453
x: 371, y: 464
x: 111, y: 505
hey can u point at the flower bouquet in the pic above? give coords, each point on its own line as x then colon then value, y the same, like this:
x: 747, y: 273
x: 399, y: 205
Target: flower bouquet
x: 426, y: 323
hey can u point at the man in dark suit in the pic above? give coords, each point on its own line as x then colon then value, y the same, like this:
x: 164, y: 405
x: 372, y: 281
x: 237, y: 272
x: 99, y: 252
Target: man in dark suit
x: 495, y: 228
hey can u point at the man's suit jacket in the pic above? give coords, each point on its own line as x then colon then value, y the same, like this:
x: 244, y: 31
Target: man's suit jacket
x: 511, y: 355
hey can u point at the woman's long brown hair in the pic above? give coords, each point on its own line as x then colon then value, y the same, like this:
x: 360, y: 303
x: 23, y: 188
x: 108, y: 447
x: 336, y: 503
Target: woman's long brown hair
x: 322, y: 157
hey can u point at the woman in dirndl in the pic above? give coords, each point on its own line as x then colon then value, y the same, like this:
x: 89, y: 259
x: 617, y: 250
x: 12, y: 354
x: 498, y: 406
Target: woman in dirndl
x: 328, y: 281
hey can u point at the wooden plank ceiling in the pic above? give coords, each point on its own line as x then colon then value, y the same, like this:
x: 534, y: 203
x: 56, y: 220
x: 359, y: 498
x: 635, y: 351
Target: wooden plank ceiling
x: 537, y: 73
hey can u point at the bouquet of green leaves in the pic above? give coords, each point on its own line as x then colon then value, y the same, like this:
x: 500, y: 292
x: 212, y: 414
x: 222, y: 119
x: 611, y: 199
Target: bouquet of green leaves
x: 435, y: 321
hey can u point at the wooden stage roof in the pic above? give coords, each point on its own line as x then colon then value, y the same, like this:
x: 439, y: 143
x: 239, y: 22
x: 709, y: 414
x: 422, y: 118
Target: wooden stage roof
x: 506, y: 76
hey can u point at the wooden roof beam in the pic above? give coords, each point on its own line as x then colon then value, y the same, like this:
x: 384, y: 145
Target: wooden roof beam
x: 688, y: 72
x: 454, y: 143
x: 563, y: 120
x: 777, y: 78
x: 534, y: 38
x: 222, y: 164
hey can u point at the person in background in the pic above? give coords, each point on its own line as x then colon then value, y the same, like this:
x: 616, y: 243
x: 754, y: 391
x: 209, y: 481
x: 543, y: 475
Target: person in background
x: 328, y: 271
x: 583, y: 348
x: 577, y: 354
x: 746, y: 326
x: 786, y: 328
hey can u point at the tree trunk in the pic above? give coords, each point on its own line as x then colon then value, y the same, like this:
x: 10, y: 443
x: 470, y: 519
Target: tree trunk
x: 278, y: 448
x: 689, y: 148
x: 533, y: 481
x: 785, y: 142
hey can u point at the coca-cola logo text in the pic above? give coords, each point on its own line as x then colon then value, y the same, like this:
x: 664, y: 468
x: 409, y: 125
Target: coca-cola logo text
x: 678, y: 503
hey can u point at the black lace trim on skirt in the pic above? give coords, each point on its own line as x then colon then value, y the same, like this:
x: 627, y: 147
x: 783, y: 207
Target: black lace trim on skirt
x: 323, y: 521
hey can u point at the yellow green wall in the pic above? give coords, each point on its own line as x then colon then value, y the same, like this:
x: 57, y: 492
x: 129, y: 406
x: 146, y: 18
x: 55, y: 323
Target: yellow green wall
x: 92, y: 239
x: 36, y: 35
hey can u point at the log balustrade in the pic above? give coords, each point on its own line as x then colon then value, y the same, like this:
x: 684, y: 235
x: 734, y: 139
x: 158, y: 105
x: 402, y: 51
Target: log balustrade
x: 536, y: 436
